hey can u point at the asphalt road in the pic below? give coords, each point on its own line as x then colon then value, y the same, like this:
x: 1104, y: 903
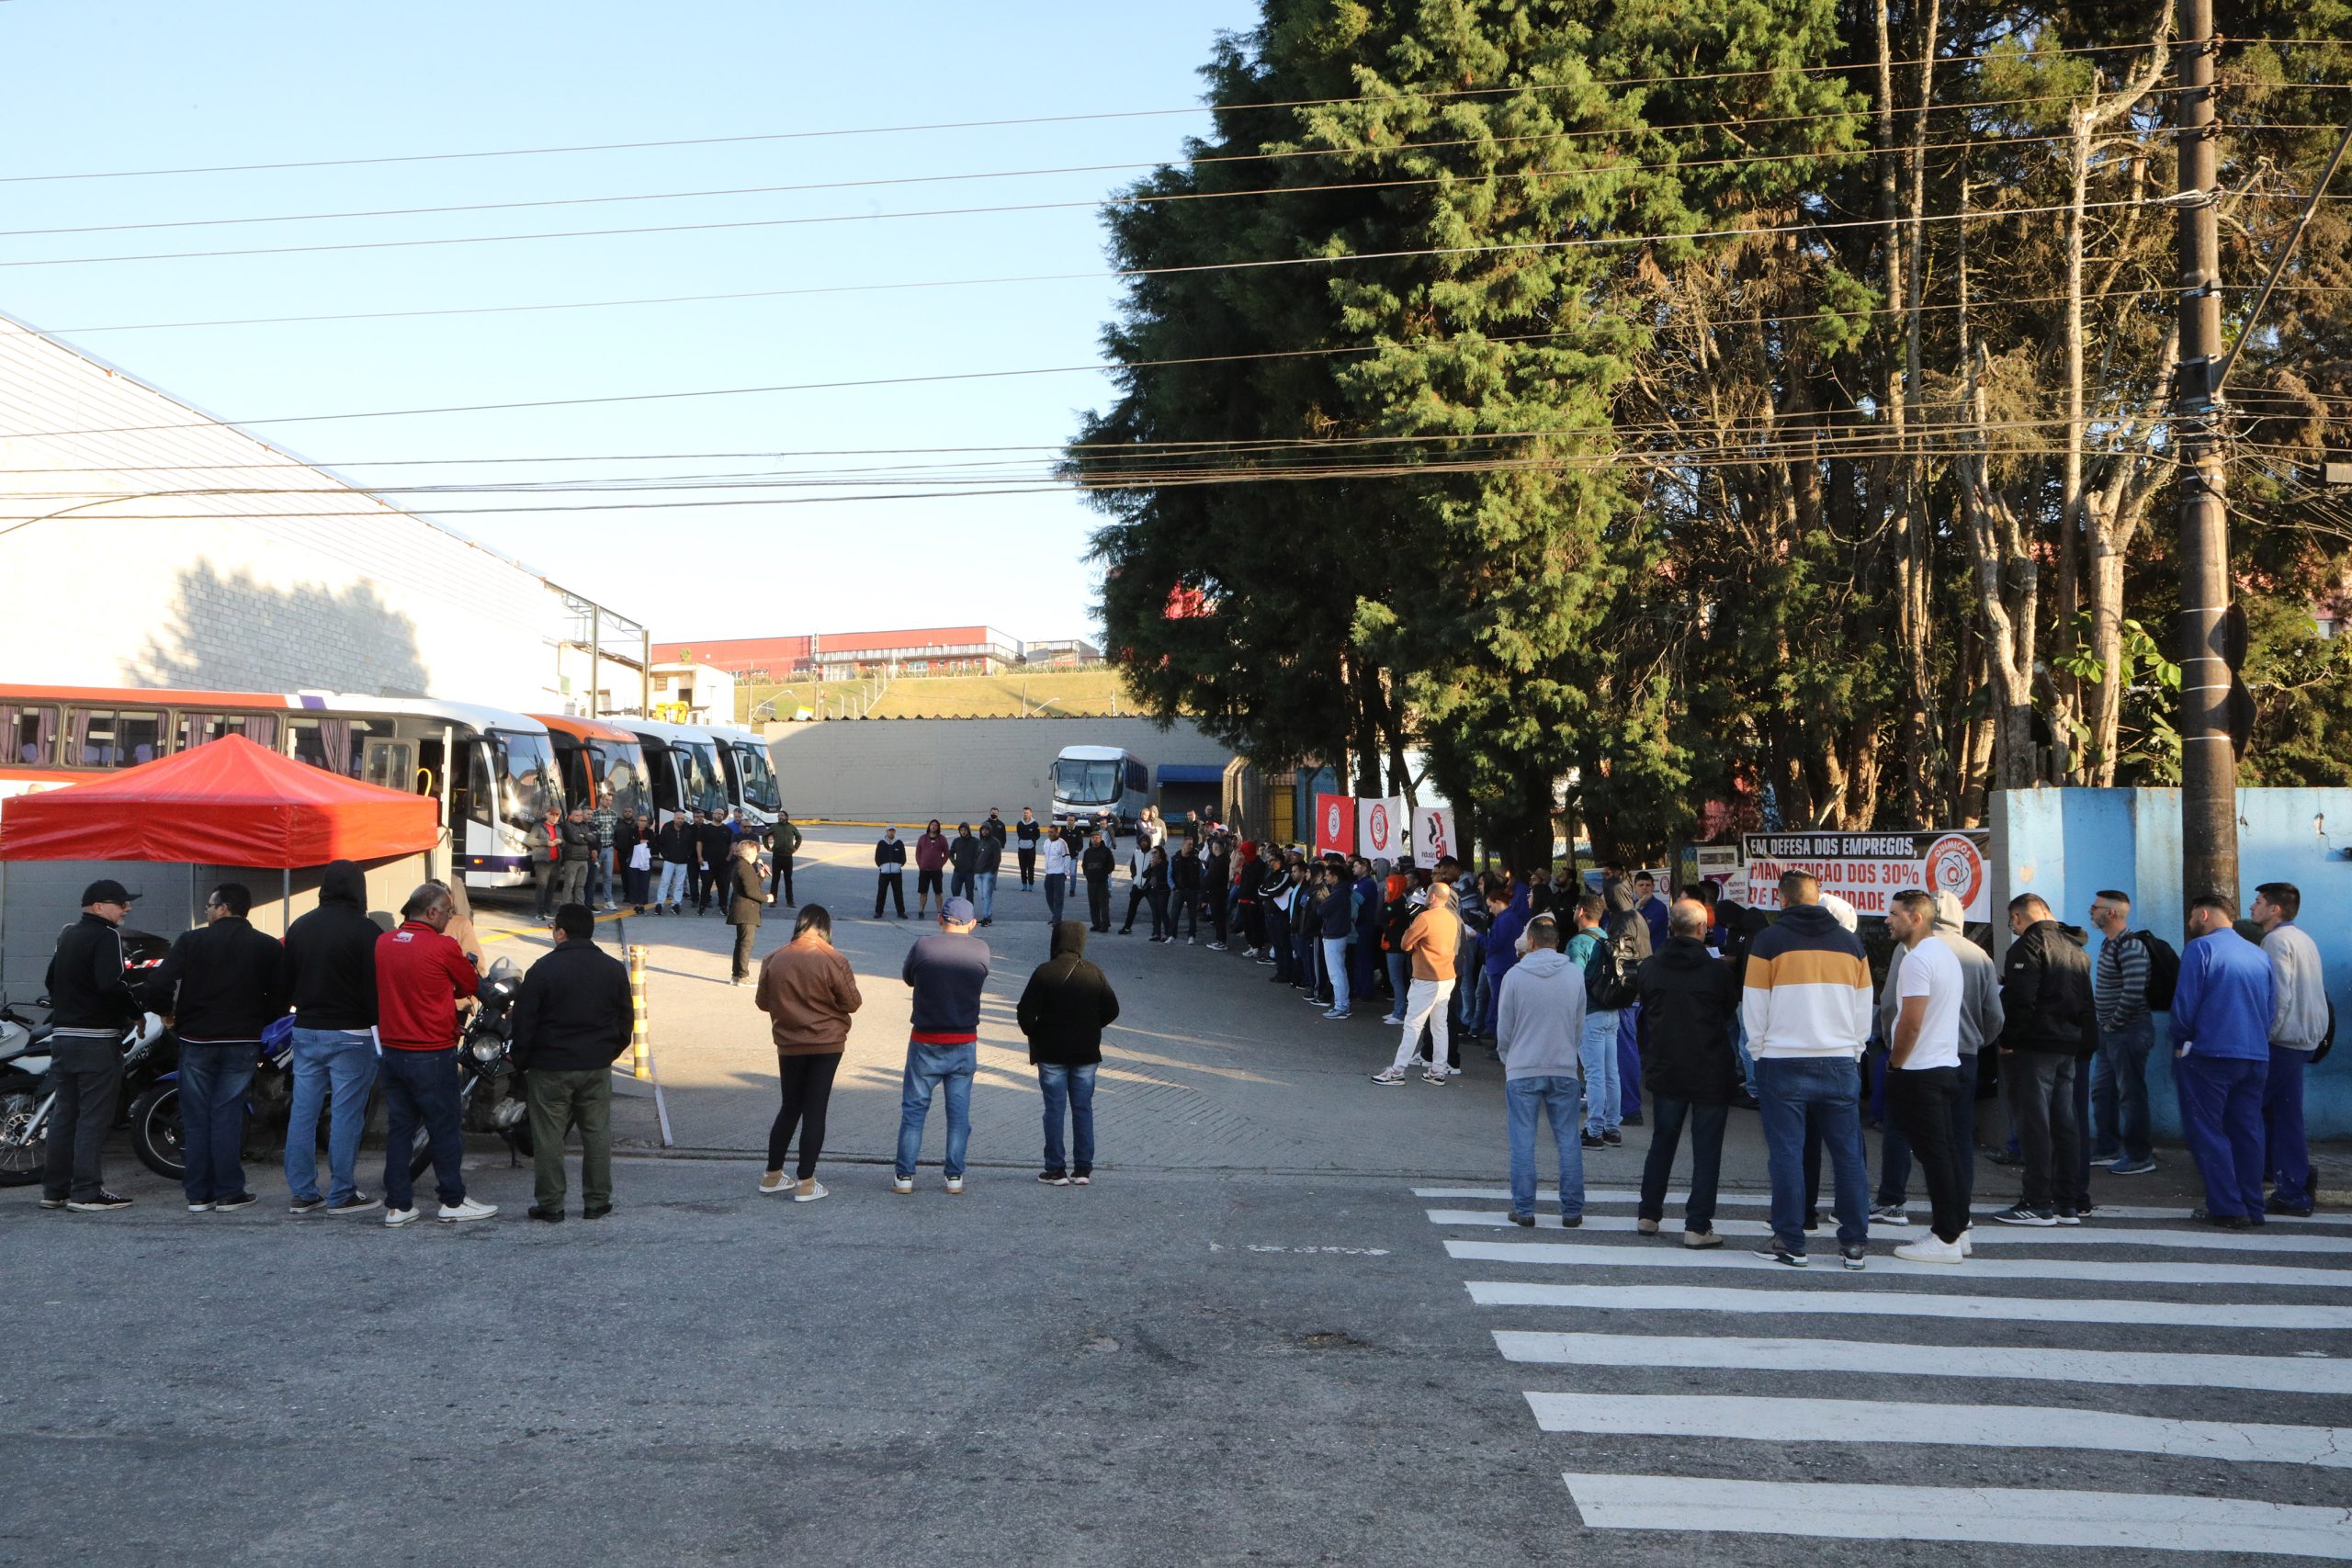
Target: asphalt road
x: 1253, y: 1347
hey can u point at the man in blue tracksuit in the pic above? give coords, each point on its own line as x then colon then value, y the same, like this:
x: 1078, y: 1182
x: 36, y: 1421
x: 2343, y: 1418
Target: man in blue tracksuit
x: 1498, y: 949
x: 2221, y: 1010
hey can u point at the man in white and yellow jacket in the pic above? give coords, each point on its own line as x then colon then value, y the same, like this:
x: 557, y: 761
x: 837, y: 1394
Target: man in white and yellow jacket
x: 1807, y: 1009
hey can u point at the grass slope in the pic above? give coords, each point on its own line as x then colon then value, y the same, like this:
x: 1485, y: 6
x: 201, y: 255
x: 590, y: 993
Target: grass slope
x: 1065, y: 694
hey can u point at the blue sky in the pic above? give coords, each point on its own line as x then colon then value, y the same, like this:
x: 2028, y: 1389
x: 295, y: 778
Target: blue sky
x: 113, y: 84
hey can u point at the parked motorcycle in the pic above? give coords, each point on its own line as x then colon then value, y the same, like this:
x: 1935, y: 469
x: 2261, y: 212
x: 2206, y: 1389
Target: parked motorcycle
x: 489, y: 1094
x: 155, y: 1126
x: 27, y: 1090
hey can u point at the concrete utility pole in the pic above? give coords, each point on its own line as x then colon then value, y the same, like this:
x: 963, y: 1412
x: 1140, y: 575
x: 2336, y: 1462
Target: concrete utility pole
x: 2209, y: 827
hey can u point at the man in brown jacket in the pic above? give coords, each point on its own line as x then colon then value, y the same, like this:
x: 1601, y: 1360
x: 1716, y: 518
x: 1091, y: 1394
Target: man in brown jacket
x: 808, y: 991
x: 1429, y: 942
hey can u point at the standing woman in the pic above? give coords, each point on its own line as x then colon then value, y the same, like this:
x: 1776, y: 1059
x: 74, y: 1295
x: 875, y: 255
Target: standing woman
x: 1057, y: 868
x: 808, y: 991
x: 746, y: 898
x: 1155, y: 891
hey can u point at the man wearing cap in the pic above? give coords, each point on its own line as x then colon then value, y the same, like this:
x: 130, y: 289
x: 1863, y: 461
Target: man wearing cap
x: 946, y: 970
x: 91, y: 1002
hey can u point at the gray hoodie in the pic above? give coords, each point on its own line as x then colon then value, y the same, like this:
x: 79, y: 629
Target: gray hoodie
x: 1539, y: 1018
x: 1980, y: 1016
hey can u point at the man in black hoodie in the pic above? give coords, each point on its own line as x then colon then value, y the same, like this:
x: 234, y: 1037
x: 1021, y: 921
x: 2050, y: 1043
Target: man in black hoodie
x: 673, y: 845
x: 221, y: 985
x: 1063, y: 1010
x: 1095, y: 865
x: 716, y: 847
x: 573, y: 1018
x: 2046, y: 1009
x: 1688, y: 998
x: 328, y: 976
x: 963, y: 864
x: 92, y: 1002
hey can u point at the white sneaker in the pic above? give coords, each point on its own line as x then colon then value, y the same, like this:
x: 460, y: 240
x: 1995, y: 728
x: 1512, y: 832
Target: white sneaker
x: 400, y: 1216
x: 1931, y: 1248
x: 808, y: 1191
x: 902, y: 1185
x: 956, y: 1186
x: 1968, y: 1241
x: 779, y: 1182
x: 471, y: 1208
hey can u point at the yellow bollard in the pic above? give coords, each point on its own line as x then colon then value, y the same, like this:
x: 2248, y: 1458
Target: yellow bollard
x: 640, y: 1033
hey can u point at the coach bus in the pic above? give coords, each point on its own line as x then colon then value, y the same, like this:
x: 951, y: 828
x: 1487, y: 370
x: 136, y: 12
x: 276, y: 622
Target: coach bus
x: 492, y: 772
x: 595, y: 757
x: 1092, y: 782
x: 703, y: 767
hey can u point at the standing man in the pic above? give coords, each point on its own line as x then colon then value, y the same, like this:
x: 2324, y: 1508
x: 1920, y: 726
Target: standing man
x: 1806, y: 1003
x: 986, y: 864
x: 1216, y: 886
x: 1026, y: 832
x: 90, y: 1003
x: 2046, y: 999
x: 220, y: 986
x: 573, y: 1018
x: 606, y: 821
x: 674, y: 842
x: 420, y: 975
x: 744, y: 901
x: 1063, y: 1011
x: 1688, y: 998
x: 963, y: 861
x: 889, y: 872
x: 330, y: 976
x: 578, y: 858
x: 697, y: 873
x: 546, y: 842
x: 2298, y: 1023
x: 1336, y: 929
x: 946, y: 970
x: 1539, y: 1037
x: 1980, y: 1023
x: 2223, y: 1007
x: 1923, y: 1071
x: 1096, y: 865
x: 2127, y: 1031
x: 1653, y: 910
x: 1606, y: 978
x: 931, y: 855
x: 1629, y: 931
x: 1505, y: 918
x: 784, y: 843
x: 994, y: 827
x: 1058, y: 870
x: 1184, y: 886
x: 1429, y: 942
x: 715, y: 842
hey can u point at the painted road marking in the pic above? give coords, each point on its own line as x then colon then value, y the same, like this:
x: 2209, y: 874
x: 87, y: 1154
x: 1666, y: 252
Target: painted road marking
x: 1831, y: 1300
x: 2278, y: 1374
x: 2152, y: 1522
x: 1987, y: 1235
x: 1674, y: 1202
x: 1561, y: 1254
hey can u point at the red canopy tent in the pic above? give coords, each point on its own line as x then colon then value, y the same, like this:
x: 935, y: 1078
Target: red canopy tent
x: 227, y: 802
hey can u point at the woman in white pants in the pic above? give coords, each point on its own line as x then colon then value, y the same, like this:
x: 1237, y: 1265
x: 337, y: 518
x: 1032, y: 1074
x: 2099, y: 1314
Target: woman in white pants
x: 1429, y: 944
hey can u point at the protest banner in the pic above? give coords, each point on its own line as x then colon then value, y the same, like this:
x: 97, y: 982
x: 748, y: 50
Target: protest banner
x: 1335, y: 824
x: 1380, y: 827
x: 1867, y: 870
x: 1433, y: 837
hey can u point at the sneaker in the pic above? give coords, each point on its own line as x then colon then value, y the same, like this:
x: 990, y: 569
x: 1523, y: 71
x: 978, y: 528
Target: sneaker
x: 199, y: 1208
x: 1082, y: 1179
x: 2008, y: 1157
x: 2112, y: 1159
x: 104, y: 1204
x: 1776, y: 1253
x: 2132, y: 1168
x: 1930, y: 1248
x: 775, y: 1182
x: 1700, y: 1238
x: 233, y: 1201
x: 2274, y: 1205
x: 808, y: 1191
x: 1632, y: 1120
x: 1592, y: 1140
x: 393, y: 1217
x: 1889, y: 1214
x: 2069, y: 1217
x: 1854, y: 1257
x: 1612, y: 1137
x: 1054, y: 1178
x: 955, y: 1187
x: 1388, y: 1076
x: 2224, y: 1221
x: 1645, y: 1225
x: 1216, y: 947
x: 1335, y: 1016
x: 2018, y: 1214
x: 471, y: 1208
x: 1440, y: 1079
x: 545, y: 1216
x: 49, y: 1203
x: 1525, y: 1221
x: 902, y: 1185
x: 301, y: 1206
x: 1968, y: 1241
x: 358, y: 1204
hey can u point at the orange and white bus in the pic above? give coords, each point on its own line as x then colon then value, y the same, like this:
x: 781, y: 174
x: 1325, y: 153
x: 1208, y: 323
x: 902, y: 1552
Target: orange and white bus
x: 593, y: 756
x: 495, y: 774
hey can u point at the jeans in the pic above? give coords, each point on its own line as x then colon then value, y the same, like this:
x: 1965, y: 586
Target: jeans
x: 2119, y: 1093
x: 1098, y: 903
x: 1400, y: 980
x: 1921, y: 1100
x: 333, y: 1068
x: 930, y: 1067
x: 1490, y: 1007
x: 959, y: 884
x: 672, y: 890
x: 560, y: 1100
x: 88, y: 1081
x: 1561, y: 1099
x: 1597, y: 1051
x: 1057, y: 889
x: 890, y: 884
x: 1425, y: 1006
x: 1629, y: 1060
x: 1707, y: 1124
x: 2040, y: 1087
x: 601, y: 885
x: 213, y: 1081
x: 2285, y: 1155
x: 1894, y: 1149
x: 984, y: 890
x: 422, y: 1087
x: 807, y: 1086
x: 1335, y: 963
x: 2220, y: 1120
x: 1308, y: 949
x: 1819, y: 1094
x: 1075, y: 1087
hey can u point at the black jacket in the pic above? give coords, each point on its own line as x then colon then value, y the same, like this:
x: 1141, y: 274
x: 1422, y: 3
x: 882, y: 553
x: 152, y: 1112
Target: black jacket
x: 1067, y: 1004
x: 992, y: 854
x: 330, y: 955
x: 1185, y: 872
x: 572, y: 1012
x: 220, y: 983
x: 675, y: 842
x: 963, y: 854
x: 716, y: 843
x: 746, y: 895
x: 2046, y: 992
x: 1097, y: 862
x: 87, y: 987
x: 890, y: 854
x: 1689, y: 998
x: 579, y: 842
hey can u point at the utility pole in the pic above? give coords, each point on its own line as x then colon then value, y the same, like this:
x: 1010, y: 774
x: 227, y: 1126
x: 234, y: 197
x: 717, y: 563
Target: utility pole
x: 2209, y: 827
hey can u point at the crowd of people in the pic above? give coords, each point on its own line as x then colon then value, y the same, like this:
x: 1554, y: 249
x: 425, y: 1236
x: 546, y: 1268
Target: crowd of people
x: 605, y: 857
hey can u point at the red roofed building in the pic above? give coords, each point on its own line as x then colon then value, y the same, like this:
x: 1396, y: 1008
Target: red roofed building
x: 926, y: 650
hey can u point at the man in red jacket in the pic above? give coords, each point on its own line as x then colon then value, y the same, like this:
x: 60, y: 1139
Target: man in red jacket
x: 420, y: 975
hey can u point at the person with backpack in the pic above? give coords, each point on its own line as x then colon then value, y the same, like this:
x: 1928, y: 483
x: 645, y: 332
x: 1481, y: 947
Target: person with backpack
x: 1607, y: 986
x: 2123, y: 990
x: 1628, y: 930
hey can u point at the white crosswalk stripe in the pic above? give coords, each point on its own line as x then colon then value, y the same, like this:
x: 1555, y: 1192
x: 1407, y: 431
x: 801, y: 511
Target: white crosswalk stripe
x: 2264, y: 1373
x: 1549, y: 1198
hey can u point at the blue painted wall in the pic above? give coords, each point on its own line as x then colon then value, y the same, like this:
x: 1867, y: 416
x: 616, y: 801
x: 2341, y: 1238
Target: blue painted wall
x: 2066, y: 844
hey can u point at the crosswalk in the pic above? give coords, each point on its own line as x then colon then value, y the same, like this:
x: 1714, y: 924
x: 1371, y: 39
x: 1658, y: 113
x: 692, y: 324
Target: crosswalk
x: 2205, y: 1375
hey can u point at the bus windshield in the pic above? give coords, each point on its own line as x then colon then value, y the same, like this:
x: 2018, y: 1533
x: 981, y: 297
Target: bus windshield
x: 528, y: 785
x: 612, y: 765
x: 759, y: 779
x: 1086, y: 784
x: 705, y: 789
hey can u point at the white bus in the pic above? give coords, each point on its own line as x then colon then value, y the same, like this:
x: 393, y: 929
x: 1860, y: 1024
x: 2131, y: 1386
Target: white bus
x: 1092, y: 781
x: 704, y: 767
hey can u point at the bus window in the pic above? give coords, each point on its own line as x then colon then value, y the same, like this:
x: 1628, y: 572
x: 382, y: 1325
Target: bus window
x: 706, y: 790
x: 481, y: 790
x: 758, y: 778
x: 1137, y: 779
x: 196, y: 728
x: 390, y: 764
x: 107, y: 738
x: 30, y: 732
x: 612, y: 765
x: 530, y: 787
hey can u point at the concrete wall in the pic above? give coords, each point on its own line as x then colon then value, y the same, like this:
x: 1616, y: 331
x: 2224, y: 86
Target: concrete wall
x: 906, y: 770
x: 2066, y: 844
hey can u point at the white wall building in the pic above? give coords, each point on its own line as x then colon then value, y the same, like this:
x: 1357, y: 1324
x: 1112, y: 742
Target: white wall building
x: 123, y: 573
x: 694, y: 693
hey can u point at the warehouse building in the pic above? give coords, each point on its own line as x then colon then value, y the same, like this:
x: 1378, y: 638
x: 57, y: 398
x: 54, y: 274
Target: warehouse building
x: 924, y: 650
x: 130, y: 568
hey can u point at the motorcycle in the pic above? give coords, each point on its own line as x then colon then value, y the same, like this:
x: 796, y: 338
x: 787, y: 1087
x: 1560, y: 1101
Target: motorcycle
x: 156, y: 1126
x: 490, y: 1095
x: 27, y: 1090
